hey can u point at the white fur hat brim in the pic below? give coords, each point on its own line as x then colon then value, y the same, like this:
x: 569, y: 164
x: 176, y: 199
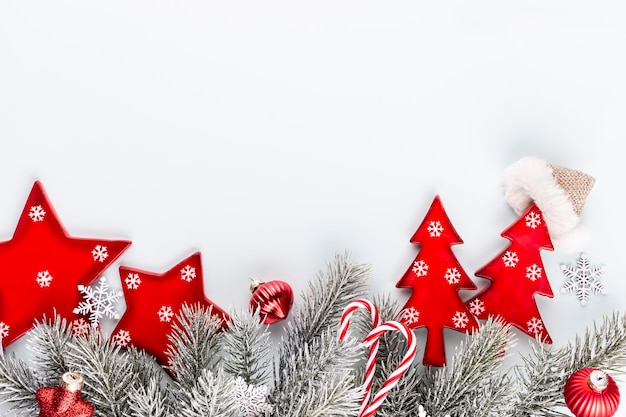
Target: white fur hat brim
x: 531, y: 179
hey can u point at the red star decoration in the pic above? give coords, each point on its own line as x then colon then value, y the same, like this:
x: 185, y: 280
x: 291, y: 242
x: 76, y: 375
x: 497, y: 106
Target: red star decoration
x: 42, y: 266
x: 153, y: 301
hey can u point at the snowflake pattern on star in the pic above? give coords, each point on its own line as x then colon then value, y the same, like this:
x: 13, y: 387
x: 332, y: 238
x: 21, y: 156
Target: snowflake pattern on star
x: 4, y: 329
x: 533, y: 220
x: 132, y: 281
x: 188, y: 273
x: 533, y: 272
x: 411, y: 315
x: 420, y: 268
x: 121, y: 338
x: 36, y: 213
x: 510, y: 259
x: 165, y: 313
x: 100, y: 253
x: 251, y: 399
x: 80, y: 327
x: 435, y: 228
x: 460, y: 319
x: 583, y: 278
x: 99, y: 302
x: 535, y: 326
x: 452, y: 275
x: 477, y: 307
x: 44, y: 278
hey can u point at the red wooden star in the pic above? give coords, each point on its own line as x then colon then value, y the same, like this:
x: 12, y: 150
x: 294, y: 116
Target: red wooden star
x: 153, y: 301
x: 42, y: 266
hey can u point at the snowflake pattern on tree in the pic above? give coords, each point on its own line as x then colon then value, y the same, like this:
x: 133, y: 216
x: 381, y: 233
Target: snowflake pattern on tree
x: 36, y: 213
x: 99, y: 302
x: 100, y: 253
x: 583, y: 279
x: 80, y: 327
x: 4, y: 329
x: 44, y: 278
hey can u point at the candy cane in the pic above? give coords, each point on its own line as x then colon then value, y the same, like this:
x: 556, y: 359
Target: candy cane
x: 392, y: 380
x: 371, y: 359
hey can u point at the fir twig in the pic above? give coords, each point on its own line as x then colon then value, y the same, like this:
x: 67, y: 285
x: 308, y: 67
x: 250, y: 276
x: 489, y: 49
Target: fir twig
x: 313, y: 366
x: 247, y: 348
x: 150, y: 400
x: 472, y: 372
x: 108, y: 373
x: 546, y: 370
x: 18, y: 386
x: 195, y: 342
x: 48, y: 343
x: 213, y: 395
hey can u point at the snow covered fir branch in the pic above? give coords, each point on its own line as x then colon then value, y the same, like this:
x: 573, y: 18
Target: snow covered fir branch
x: 308, y: 372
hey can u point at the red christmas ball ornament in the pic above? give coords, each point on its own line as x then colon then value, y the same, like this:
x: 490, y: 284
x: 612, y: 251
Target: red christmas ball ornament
x: 273, y: 299
x: 591, y: 392
x: 65, y: 400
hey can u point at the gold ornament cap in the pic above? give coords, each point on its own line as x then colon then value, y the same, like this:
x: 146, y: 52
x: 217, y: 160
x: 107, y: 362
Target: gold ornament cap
x: 72, y: 381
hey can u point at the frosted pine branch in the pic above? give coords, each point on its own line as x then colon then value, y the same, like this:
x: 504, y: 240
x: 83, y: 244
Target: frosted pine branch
x: 473, y: 373
x: 545, y: 371
x: 247, y: 348
x: 108, y: 373
x: 195, y: 342
x: 213, y: 395
x: 18, y: 386
x: 48, y: 343
x: 150, y: 400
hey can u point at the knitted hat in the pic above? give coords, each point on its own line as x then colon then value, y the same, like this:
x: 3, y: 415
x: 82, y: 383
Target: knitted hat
x: 559, y: 193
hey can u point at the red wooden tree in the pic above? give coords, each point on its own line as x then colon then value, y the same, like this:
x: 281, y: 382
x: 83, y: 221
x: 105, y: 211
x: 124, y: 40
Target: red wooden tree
x: 436, y: 278
x: 516, y: 275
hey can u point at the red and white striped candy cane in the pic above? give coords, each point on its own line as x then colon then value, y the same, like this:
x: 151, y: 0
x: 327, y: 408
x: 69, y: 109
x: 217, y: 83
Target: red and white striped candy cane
x: 371, y: 359
x: 395, y: 376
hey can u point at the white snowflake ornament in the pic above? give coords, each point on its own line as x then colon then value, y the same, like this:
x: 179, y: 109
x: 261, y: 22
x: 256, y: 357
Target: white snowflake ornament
x: 583, y: 278
x: 98, y: 302
x: 252, y: 399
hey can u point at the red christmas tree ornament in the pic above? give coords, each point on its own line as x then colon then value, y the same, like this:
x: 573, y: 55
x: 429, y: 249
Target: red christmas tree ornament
x: 65, y: 400
x: 436, y: 278
x: 152, y: 302
x: 42, y: 266
x: 273, y: 299
x: 517, y: 275
x: 591, y: 392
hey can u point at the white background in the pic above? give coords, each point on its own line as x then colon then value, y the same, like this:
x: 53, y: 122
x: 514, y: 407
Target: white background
x: 272, y: 135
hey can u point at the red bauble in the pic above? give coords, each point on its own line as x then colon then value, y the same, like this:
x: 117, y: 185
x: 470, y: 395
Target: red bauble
x: 65, y: 400
x: 273, y: 299
x: 591, y: 392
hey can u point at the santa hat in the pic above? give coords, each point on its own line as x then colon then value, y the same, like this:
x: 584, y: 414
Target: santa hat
x: 559, y: 193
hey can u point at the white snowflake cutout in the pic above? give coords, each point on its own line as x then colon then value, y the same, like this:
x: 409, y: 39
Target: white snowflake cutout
x: 411, y: 315
x: 165, y: 313
x: 36, y: 213
x: 98, y: 302
x: 535, y: 326
x: 420, y: 268
x: 252, y: 399
x: 44, y: 278
x: 477, y: 307
x: 533, y: 220
x: 188, y: 273
x: 435, y: 228
x: 121, y: 338
x: 132, y: 281
x: 460, y: 319
x: 100, y: 253
x: 452, y: 275
x: 4, y: 329
x: 583, y: 278
x: 510, y: 259
x: 80, y: 327
x: 533, y: 272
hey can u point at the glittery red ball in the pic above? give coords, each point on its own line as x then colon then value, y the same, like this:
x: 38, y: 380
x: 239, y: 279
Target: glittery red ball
x: 273, y: 299
x: 59, y: 402
x: 591, y: 392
